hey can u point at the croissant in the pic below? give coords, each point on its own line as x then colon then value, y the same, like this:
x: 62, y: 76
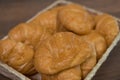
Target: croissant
x: 29, y: 34
x: 61, y: 51
x: 48, y: 19
x: 69, y: 74
x: 17, y: 55
x: 107, y: 26
x: 98, y: 40
x: 89, y: 63
x: 75, y: 18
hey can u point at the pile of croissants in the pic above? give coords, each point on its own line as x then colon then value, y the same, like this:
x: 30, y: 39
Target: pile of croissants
x: 63, y: 43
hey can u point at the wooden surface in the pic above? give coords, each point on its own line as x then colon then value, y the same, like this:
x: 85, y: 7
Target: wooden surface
x: 13, y: 12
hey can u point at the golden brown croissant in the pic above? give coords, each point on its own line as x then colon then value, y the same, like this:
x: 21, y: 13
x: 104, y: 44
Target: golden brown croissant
x: 99, y: 42
x: 47, y: 19
x: 75, y: 18
x: 5, y: 48
x: 17, y: 55
x: 28, y: 33
x: 69, y: 74
x: 89, y: 63
x: 107, y: 26
x: 63, y: 50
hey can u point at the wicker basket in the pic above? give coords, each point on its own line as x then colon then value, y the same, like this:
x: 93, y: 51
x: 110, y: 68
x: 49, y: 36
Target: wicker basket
x: 15, y: 75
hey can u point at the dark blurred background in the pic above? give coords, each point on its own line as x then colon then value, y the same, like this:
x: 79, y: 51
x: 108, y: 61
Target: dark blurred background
x: 13, y: 12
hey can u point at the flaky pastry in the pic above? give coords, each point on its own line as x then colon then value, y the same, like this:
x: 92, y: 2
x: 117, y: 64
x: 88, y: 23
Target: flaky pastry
x: 75, y: 18
x: 62, y: 51
x: 28, y: 33
x: 107, y: 26
x: 48, y: 19
x: 17, y: 55
x: 98, y: 40
x: 69, y: 74
x: 89, y: 63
